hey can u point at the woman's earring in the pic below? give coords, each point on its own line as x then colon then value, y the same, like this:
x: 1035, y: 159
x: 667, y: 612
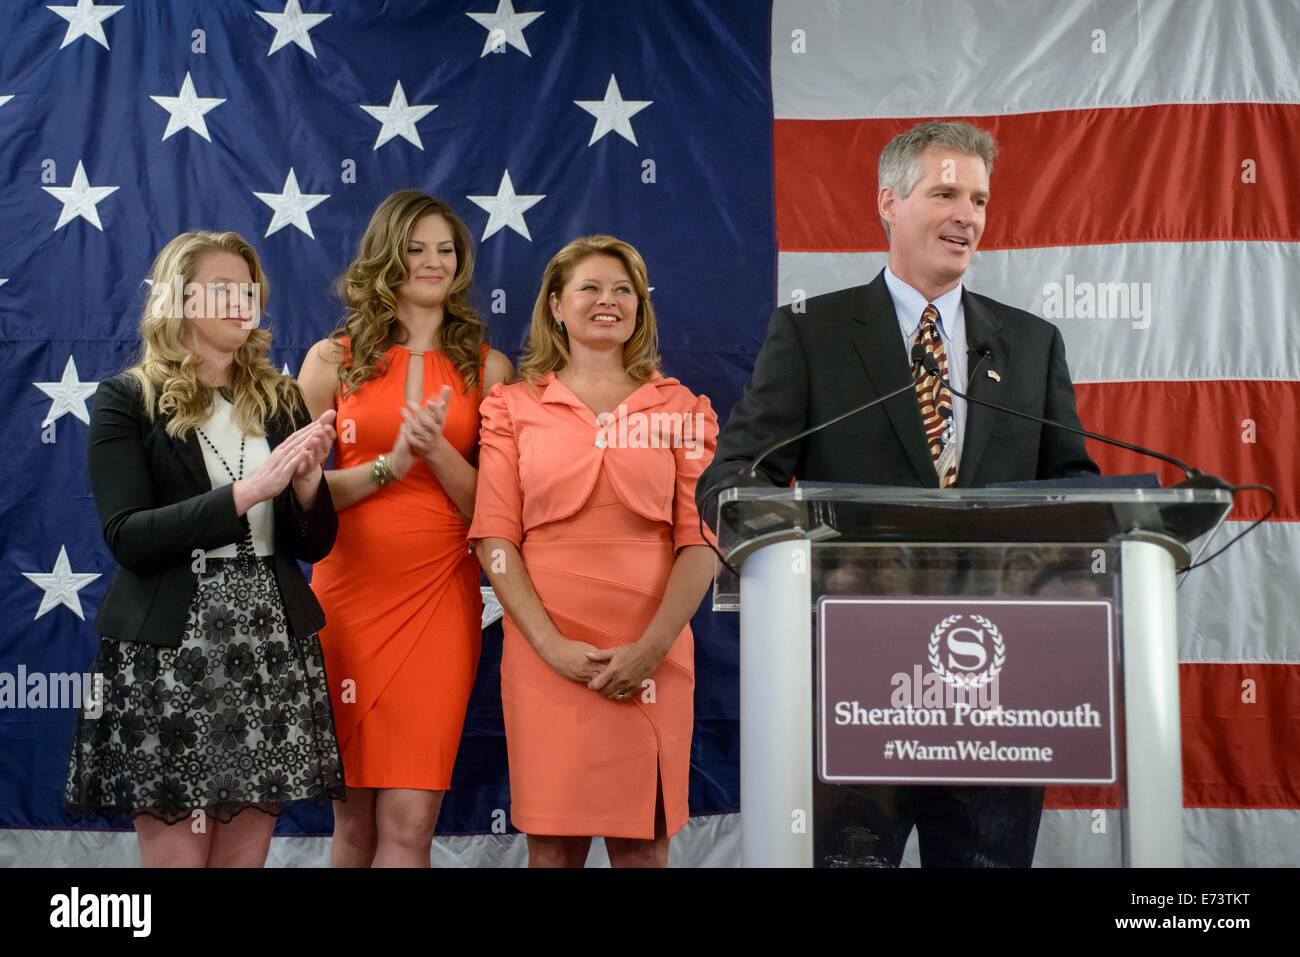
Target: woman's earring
x: 559, y: 325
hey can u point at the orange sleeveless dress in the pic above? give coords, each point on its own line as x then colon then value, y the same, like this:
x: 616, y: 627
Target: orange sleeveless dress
x: 401, y: 594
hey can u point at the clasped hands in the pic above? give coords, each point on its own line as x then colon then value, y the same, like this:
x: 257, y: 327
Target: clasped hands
x: 420, y: 435
x: 616, y: 673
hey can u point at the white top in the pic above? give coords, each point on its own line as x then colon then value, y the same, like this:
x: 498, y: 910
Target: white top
x: 221, y: 430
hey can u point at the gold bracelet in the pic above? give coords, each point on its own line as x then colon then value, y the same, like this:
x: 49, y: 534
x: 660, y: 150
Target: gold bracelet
x: 381, y: 471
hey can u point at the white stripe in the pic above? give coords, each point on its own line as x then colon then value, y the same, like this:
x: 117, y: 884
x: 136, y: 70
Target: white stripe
x: 804, y: 275
x: 1065, y: 839
x: 957, y: 58
x: 1212, y: 837
x: 1188, y: 311
x: 1244, y: 605
x: 1225, y: 837
x: 1083, y: 838
x: 705, y: 841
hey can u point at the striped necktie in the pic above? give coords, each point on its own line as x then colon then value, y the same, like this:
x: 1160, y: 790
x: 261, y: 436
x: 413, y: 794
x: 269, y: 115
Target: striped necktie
x: 936, y: 401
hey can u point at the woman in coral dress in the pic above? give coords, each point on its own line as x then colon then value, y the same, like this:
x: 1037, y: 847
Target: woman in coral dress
x: 586, y: 524
x: 400, y: 589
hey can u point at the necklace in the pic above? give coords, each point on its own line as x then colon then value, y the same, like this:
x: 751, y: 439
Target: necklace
x: 217, y: 452
x: 244, y: 548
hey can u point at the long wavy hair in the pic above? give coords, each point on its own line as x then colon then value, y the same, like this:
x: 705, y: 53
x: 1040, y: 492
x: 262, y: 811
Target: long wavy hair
x: 548, y: 344
x: 168, y: 368
x: 366, y: 288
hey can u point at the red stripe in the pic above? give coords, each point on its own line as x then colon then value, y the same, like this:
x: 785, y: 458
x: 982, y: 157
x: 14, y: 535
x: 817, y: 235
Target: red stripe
x: 1082, y: 799
x: 1237, y: 752
x: 1205, y: 424
x: 1241, y: 753
x: 1062, y: 178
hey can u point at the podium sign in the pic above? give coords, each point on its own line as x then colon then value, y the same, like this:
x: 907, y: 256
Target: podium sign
x: 1077, y: 583
x: 966, y: 691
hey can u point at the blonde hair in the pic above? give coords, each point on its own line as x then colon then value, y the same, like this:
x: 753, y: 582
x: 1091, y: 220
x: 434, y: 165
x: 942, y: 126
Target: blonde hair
x: 548, y: 344
x: 167, y: 369
x: 366, y: 289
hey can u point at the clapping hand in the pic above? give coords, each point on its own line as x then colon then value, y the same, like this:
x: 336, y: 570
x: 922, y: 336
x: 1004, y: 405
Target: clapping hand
x: 317, y: 440
x: 313, y: 452
x: 298, y: 459
x: 423, y: 424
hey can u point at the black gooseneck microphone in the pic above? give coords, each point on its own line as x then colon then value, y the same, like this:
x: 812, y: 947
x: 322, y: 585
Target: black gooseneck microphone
x: 910, y: 387
x: 1195, y: 477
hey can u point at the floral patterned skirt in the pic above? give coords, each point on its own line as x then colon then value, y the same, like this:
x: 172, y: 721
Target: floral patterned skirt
x: 238, y: 715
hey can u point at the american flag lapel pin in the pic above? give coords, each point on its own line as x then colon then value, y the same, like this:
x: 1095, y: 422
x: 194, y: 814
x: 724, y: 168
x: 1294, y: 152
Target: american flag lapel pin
x: 994, y: 376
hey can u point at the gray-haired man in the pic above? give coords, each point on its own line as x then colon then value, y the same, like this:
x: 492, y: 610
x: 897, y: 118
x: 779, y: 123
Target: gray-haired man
x: 850, y: 346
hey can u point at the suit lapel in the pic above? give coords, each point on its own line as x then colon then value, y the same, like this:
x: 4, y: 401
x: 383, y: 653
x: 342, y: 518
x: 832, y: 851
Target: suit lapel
x: 191, y: 455
x: 880, y: 347
x: 982, y: 331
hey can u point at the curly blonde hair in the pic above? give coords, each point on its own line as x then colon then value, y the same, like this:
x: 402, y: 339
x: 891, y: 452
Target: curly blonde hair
x: 167, y: 369
x: 371, y: 326
x: 548, y: 344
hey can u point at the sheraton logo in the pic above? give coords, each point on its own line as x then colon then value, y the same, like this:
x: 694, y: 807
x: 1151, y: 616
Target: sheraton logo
x: 960, y: 655
x: 966, y: 654
x: 980, y: 690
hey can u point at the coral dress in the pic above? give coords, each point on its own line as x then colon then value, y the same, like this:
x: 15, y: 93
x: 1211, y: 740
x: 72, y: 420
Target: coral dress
x: 598, y: 513
x: 401, y: 594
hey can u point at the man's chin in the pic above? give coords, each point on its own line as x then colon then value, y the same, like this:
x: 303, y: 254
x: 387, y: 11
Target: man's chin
x: 955, y: 267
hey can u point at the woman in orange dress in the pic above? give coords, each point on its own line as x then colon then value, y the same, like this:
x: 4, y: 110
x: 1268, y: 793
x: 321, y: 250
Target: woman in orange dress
x: 400, y: 590
x: 586, y: 524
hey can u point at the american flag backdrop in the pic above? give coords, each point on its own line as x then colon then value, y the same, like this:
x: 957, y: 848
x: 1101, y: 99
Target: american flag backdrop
x: 1144, y: 201
x: 1146, y: 145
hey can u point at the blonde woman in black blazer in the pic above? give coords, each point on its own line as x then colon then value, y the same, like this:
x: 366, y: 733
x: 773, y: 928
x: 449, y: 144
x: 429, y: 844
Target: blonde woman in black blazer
x: 206, y: 473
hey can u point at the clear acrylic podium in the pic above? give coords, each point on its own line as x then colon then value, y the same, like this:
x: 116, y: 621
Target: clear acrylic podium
x: 792, y: 547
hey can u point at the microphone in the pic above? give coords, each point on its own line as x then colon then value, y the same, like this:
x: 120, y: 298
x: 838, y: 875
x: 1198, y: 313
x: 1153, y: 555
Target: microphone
x: 1195, y: 477
x: 918, y: 359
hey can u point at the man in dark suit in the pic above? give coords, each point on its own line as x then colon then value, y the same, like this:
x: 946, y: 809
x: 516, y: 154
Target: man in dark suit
x: 837, y: 351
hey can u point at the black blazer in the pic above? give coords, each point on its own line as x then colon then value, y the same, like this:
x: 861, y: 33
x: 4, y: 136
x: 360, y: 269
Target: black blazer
x: 157, y: 507
x: 845, y: 349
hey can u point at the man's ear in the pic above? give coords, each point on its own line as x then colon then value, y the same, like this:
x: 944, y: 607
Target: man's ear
x: 885, y: 200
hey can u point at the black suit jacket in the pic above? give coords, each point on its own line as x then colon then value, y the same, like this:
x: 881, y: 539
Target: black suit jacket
x: 845, y: 349
x: 157, y: 506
